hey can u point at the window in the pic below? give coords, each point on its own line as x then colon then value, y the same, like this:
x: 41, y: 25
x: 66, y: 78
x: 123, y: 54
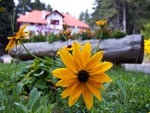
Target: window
x: 55, y: 22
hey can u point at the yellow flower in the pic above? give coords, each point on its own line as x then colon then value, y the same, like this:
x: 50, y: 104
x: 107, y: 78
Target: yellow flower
x: 65, y: 26
x: 101, y: 23
x: 2, y: 9
x: 84, y: 74
x: 67, y: 48
x: 147, y: 46
x: 67, y: 33
x: 14, y: 40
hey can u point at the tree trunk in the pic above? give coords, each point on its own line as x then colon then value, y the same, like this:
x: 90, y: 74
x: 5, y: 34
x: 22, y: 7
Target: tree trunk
x: 129, y: 49
x: 124, y: 17
x: 125, y: 50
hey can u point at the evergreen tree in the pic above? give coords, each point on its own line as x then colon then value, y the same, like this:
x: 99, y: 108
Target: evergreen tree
x: 27, y: 6
x: 22, y: 7
x: 138, y: 13
x: 6, y: 20
x: 85, y: 17
x: 37, y: 5
x: 129, y: 15
x: 81, y: 16
x: 49, y: 8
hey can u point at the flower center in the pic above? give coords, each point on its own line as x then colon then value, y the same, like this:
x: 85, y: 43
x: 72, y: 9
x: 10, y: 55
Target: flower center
x: 69, y: 46
x: 83, y: 76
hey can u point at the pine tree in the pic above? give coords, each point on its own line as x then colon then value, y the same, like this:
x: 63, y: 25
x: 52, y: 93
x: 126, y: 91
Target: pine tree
x: 6, y: 20
x: 27, y: 6
x: 129, y: 15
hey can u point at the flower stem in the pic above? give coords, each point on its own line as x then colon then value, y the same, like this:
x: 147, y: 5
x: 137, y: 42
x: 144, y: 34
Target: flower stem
x: 100, y: 39
x: 64, y: 37
x: 31, y: 53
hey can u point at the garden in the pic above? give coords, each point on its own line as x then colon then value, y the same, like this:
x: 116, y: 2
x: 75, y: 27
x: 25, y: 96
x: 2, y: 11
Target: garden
x: 33, y: 92
x: 76, y: 78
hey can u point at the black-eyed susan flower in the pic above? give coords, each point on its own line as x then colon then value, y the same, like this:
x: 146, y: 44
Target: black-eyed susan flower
x: 68, y: 48
x: 67, y: 33
x: 147, y: 46
x: 101, y: 23
x: 2, y: 9
x: 83, y: 75
x: 65, y: 26
x: 14, y: 40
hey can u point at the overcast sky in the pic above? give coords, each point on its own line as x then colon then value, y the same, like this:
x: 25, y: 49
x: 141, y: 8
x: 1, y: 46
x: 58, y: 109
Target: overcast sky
x: 74, y: 7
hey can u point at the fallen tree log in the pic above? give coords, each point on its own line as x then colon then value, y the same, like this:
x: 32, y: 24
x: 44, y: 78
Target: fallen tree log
x: 129, y: 49
x: 125, y: 50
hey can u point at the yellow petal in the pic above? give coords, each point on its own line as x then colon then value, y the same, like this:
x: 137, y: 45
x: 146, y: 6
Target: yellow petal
x: 86, y: 53
x: 72, y: 100
x: 101, y: 68
x: 22, y: 28
x: 94, y: 60
x: 87, y: 96
x: 77, y: 55
x: 76, y: 92
x: 96, y: 84
x: 68, y: 60
x: 94, y: 90
x: 68, y: 91
x: 66, y: 83
x: 11, y: 44
x: 100, y: 78
x: 12, y: 37
x: 63, y: 73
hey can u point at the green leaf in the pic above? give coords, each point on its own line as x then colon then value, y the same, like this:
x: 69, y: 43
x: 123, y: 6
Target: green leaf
x: 41, y: 84
x: 94, y: 110
x: 22, y: 107
x: 33, y: 97
x: 38, y: 74
x: 17, y: 90
x: 2, y: 108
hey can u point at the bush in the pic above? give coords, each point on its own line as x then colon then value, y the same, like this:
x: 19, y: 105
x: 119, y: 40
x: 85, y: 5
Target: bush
x: 37, y: 75
x: 146, y: 31
x: 105, y: 35
x: 36, y: 38
x: 117, y: 34
x: 52, y: 37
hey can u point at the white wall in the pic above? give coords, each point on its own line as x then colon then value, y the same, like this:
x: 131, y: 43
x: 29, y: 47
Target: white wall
x: 55, y: 16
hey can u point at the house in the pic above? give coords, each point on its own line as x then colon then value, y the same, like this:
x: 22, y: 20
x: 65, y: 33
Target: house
x: 45, y: 22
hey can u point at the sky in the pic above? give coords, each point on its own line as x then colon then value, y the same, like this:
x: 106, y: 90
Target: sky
x: 73, y: 7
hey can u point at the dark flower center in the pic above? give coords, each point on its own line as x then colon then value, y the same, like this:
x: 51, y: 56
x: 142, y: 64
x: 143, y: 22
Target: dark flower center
x: 83, y: 76
x: 69, y: 46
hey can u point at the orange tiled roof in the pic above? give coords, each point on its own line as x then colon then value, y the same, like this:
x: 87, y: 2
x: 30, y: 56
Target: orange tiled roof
x: 71, y: 21
x: 35, y: 16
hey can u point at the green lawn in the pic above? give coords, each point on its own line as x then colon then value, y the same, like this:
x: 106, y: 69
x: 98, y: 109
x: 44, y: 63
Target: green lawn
x: 128, y: 93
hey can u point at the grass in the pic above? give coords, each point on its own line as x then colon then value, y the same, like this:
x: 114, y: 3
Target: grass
x: 128, y: 93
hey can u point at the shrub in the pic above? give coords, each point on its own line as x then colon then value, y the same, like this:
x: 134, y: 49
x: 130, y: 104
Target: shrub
x: 146, y: 31
x: 117, y: 34
x: 36, y: 38
x: 37, y: 75
x: 87, y: 34
x: 52, y: 37
x: 102, y: 34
